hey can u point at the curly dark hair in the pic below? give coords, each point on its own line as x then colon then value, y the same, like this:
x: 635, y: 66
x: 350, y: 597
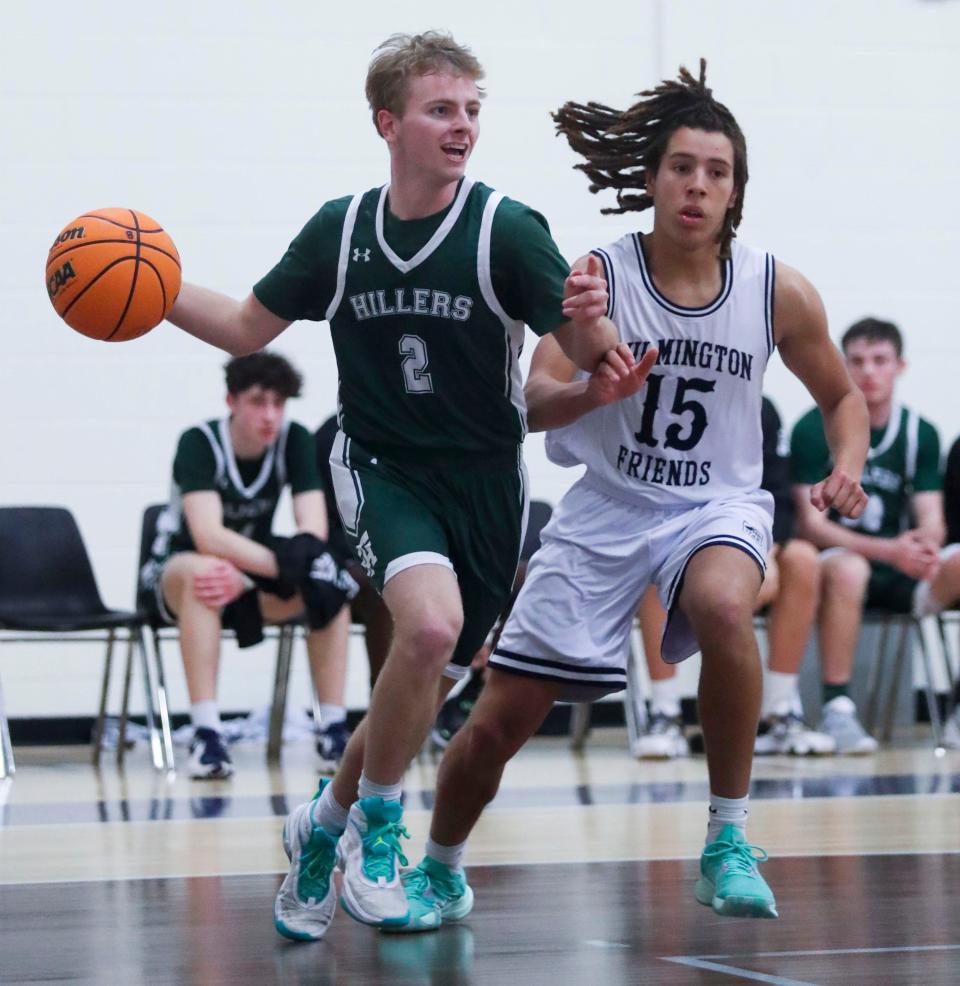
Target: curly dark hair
x: 622, y: 147
x: 268, y: 370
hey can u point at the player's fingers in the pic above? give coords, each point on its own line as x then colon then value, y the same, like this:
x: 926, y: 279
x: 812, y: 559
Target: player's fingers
x: 615, y: 362
x: 585, y: 298
x: 646, y: 364
x: 626, y: 354
x: 817, y: 498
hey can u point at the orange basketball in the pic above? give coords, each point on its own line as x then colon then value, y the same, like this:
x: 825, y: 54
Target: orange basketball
x: 113, y: 274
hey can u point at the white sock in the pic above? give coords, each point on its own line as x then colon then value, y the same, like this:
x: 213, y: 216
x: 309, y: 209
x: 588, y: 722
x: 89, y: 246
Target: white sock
x: 450, y: 856
x: 206, y: 715
x: 330, y: 714
x: 780, y: 694
x: 329, y: 814
x: 726, y: 811
x: 368, y: 789
x: 665, y: 696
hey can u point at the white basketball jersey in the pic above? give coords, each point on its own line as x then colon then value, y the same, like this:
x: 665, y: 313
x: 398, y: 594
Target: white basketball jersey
x: 692, y: 433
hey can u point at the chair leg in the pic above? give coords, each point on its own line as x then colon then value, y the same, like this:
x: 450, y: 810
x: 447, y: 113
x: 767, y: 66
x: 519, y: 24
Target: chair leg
x: 162, y: 706
x: 96, y: 740
x: 125, y: 705
x: 894, y: 688
x: 634, y: 705
x: 281, y: 680
x: 946, y: 650
x: 579, y: 725
x: 7, y: 766
x: 875, y: 678
x: 150, y: 695
x: 933, y: 706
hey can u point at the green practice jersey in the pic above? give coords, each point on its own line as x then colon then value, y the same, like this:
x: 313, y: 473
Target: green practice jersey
x: 904, y: 459
x: 249, y: 489
x: 427, y: 316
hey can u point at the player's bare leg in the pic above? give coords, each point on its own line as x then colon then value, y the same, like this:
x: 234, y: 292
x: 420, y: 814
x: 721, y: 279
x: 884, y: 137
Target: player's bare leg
x: 719, y: 593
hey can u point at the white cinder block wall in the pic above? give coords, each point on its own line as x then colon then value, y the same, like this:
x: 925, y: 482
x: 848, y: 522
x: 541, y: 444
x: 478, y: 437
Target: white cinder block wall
x: 231, y: 123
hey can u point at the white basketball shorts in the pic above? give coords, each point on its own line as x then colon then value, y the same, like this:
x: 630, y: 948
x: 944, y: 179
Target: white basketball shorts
x: 571, y: 622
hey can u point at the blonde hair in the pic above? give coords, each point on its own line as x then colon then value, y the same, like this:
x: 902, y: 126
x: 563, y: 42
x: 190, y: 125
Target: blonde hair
x: 403, y: 56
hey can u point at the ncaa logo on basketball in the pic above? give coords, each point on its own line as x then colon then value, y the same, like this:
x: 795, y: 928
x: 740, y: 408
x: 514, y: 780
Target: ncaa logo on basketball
x: 60, y: 278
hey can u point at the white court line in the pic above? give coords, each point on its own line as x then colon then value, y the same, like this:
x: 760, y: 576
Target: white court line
x: 730, y: 970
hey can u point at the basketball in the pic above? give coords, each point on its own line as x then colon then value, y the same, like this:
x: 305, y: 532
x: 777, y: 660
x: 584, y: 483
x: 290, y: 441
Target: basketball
x: 113, y: 274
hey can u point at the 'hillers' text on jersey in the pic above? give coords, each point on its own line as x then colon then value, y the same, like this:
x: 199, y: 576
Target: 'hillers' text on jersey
x: 692, y: 434
x: 426, y: 350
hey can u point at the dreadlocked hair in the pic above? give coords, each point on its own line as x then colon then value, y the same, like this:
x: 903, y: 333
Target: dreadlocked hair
x: 622, y: 147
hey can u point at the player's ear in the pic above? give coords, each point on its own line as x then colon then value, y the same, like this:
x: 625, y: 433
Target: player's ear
x: 231, y: 402
x: 387, y: 124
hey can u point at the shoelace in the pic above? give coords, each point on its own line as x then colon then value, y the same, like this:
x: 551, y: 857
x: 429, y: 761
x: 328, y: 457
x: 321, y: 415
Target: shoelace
x: 416, y: 882
x: 317, y: 860
x: 660, y: 724
x: 379, y: 848
x: 419, y: 883
x: 740, y: 857
x: 214, y: 751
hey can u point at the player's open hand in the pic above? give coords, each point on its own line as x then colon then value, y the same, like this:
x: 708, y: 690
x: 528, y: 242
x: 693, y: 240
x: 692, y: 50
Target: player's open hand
x: 585, y: 295
x: 219, y: 584
x: 619, y: 375
x: 839, y: 492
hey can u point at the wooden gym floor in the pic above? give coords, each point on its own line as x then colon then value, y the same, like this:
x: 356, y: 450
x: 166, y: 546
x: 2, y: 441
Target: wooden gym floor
x: 583, y: 870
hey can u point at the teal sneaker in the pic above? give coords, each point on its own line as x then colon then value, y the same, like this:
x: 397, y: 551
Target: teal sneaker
x: 730, y: 882
x: 371, y: 857
x: 307, y: 898
x: 435, y: 893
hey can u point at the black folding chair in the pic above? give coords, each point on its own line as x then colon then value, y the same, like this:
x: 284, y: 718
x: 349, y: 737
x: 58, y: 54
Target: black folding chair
x: 48, y: 592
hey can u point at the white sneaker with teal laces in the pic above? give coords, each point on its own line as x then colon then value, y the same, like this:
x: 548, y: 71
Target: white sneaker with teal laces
x: 371, y: 858
x: 307, y: 898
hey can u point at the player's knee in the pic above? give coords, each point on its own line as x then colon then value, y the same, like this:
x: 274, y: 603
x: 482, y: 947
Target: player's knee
x: 494, y: 739
x: 724, y: 613
x: 432, y: 636
x: 179, y: 576
x: 799, y: 564
x: 845, y: 575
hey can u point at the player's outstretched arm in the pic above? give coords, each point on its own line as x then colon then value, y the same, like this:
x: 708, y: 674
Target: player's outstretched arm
x: 800, y: 323
x: 237, y: 327
x: 555, y: 398
x: 588, y: 334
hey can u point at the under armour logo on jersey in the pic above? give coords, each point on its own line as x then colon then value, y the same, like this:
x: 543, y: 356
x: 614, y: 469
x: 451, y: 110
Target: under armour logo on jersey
x: 363, y: 255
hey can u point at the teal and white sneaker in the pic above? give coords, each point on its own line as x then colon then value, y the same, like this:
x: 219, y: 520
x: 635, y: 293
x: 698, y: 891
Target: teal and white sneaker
x: 435, y: 893
x: 369, y: 852
x: 307, y: 898
x: 730, y: 882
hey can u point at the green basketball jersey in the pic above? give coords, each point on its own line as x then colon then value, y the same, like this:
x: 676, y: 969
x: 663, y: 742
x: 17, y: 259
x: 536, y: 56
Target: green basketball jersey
x: 249, y: 489
x: 427, y: 316
x: 904, y: 459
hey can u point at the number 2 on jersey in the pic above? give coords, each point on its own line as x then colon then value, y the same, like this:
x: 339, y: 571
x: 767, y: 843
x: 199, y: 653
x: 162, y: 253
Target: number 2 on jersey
x: 415, y: 378
x: 674, y: 437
